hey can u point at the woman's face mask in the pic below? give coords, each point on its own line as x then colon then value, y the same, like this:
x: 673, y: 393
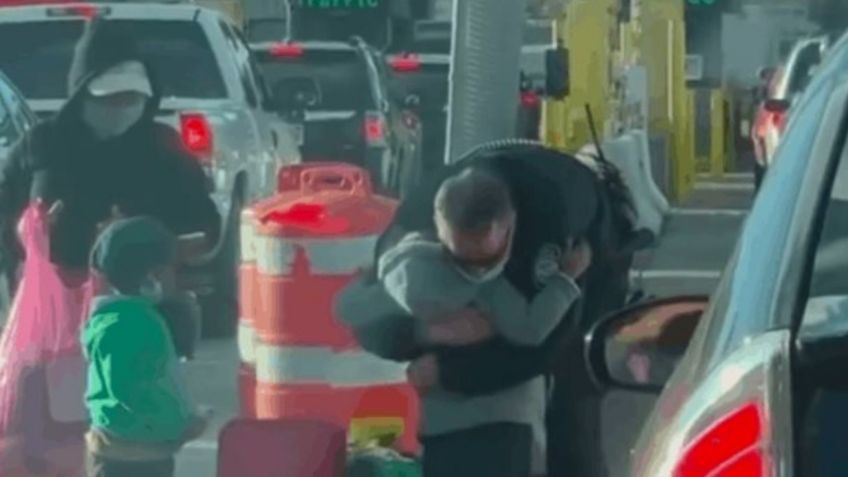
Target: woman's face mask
x: 108, y: 118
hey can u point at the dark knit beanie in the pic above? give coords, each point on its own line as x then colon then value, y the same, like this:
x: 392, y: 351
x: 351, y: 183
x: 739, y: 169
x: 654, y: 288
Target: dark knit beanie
x: 129, y: 249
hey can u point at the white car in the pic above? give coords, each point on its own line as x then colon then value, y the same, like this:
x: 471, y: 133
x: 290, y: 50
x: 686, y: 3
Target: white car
x: 212, y: 91
x: 15, y: 120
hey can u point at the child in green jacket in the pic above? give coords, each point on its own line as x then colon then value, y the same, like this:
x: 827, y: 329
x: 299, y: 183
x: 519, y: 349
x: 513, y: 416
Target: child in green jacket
x: 140, y: 413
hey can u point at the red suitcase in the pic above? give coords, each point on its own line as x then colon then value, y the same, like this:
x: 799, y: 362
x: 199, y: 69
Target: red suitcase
x: 282, y: 448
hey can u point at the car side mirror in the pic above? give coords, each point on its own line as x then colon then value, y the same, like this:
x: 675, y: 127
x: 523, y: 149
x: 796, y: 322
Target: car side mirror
x: 557, y: 74
x: 638, y: 348
x: 777, y: 105
x: 295, y: 95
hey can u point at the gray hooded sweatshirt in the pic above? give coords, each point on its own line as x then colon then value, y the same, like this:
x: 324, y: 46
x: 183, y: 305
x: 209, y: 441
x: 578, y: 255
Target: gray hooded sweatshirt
x: 416, y: 277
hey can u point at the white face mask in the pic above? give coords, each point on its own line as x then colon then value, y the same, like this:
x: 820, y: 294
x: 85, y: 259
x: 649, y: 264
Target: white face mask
x: 152, y: 290
x: 107, y: 121
x: 486, y: 275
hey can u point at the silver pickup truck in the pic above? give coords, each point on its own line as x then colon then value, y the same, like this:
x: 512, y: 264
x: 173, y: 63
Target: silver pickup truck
x: 212, y: 92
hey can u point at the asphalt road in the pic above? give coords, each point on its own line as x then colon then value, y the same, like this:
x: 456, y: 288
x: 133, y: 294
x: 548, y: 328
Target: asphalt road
x: 697, y: 241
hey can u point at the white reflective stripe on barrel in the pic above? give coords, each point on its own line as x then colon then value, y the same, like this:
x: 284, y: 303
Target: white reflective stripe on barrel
x: 246, y: 342
x: 336, y: 256
x: 317, y: 364
x: 292, y: 364
x: 247, y: 236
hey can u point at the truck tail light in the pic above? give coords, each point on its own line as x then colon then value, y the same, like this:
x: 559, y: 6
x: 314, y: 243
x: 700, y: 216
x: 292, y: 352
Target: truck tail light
x: 731, y: 447
x: 85, y: 10
x: 197, y: 135
x: 405, y: 63
x: 375, y: 129
x: 287, y: 50
x: 530, y: 100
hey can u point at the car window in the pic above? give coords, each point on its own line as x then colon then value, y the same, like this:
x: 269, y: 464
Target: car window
x: 738, y: 308
x: 808, y: 58
x: 20, y: 114
x: 252, y: 68
x: 38, y: 55
x: 826, y: 310
x: 241, y: 55
x: 341, y: 75
x: 8, y: 131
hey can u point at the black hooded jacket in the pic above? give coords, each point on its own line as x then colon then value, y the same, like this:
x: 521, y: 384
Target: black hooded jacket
x: 145, y: 171
x: 556, y: 197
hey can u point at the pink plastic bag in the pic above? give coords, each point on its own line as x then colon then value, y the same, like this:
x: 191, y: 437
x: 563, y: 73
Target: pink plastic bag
x: 42, y: 371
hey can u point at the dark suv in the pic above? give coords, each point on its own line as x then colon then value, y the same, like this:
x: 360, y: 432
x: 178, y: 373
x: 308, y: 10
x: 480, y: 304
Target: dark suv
x: 339, y: 92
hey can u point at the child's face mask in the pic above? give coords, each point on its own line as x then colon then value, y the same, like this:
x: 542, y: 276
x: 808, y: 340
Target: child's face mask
x: 153, y: 290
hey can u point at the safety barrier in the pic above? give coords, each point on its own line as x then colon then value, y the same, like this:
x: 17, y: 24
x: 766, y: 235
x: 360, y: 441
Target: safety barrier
x: 248, y: 310
x: 311, y: 240
x: 631, y: 155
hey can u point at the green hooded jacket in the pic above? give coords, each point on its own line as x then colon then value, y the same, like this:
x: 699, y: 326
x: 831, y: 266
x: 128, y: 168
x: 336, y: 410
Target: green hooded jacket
x: 133, y: 392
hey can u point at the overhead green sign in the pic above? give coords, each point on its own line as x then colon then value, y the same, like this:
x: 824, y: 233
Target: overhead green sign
x: 699, y: 3
x: 341, y: 4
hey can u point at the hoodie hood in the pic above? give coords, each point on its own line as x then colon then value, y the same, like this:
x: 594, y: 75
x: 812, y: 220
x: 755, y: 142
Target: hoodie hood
x: 102, y: 46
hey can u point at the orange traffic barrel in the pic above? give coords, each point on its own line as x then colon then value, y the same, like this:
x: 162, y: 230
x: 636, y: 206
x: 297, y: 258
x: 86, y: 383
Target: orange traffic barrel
x: 311, y: 240
x: 248, y: 309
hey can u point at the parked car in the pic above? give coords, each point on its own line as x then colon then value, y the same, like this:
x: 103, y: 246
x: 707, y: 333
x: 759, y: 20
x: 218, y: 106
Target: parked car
x: 15, y: 120
x: 15, y: 116
x: 784, y: 85
x: 340, y: 92
x: 751, y: 381
x: 212, y: 92
x: 420, y: 83
x: 419, y: 70
x: 213, y: 95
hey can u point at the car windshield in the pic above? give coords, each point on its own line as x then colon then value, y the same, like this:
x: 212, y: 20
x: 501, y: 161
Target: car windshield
x: 341, y: 76
x: 739, y: 307
x: 38, y: 55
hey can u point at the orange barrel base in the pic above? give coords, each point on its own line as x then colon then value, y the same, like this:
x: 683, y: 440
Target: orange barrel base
x: 311, y: 401
x: 247, y: 390
x: 399, y: 400
x: 283, y: 300
x: 248, y: 299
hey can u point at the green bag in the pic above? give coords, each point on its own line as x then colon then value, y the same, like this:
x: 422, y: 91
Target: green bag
x: 380, y: 462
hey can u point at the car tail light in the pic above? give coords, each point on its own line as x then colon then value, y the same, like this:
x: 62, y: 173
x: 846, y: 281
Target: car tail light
x: 779, y: 121
x: 375, y: 129
x: 529, y: 99
x: 197, y: 135
x: 287, y: 50
x: 731, y: 447
x: 86, y: 10
x: 405, y: 63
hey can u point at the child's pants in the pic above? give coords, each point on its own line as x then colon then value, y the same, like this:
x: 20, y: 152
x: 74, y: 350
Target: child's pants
x: 100, y: 467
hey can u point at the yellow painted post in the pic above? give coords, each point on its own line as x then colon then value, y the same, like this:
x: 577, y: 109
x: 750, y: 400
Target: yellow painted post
x: 586, y: 30
x: 718, y: 133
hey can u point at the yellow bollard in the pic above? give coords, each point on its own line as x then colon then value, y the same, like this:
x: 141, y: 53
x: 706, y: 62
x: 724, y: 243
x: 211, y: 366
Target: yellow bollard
x: 718, y: 133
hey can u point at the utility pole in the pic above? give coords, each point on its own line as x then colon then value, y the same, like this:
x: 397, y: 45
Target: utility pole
x: 484, y: 74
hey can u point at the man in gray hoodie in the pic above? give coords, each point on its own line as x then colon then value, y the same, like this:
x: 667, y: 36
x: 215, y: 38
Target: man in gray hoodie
x: 438, y: 279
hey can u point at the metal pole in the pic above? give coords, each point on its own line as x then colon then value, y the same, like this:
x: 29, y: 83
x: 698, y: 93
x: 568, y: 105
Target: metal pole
x: 484, y: 74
